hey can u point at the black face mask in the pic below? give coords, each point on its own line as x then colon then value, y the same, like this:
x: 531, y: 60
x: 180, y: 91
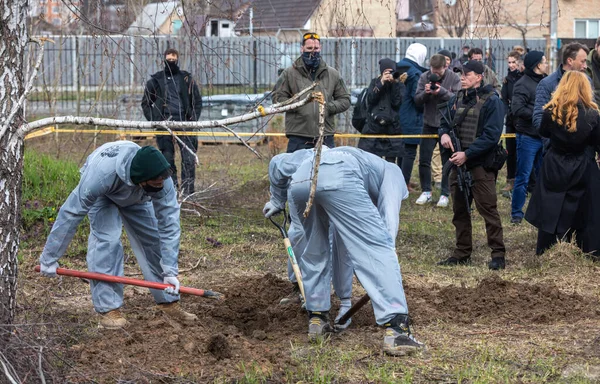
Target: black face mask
x: 150, y: 189
x: 311, y: 59
x: 171, y: 67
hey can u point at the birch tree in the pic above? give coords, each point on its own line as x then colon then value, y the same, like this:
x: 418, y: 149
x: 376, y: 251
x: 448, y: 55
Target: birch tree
x: 13, y: 43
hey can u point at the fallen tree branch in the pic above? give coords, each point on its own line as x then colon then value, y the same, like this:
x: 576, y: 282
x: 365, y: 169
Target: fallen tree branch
x: 42, y: 378
x: 141, y: 125
x: 242, y: 141
x: 9, y: 370
x: 40, y: 42
x: 317, y: 160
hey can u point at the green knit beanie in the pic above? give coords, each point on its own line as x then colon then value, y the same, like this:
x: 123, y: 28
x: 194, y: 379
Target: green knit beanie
x: 147, y: 164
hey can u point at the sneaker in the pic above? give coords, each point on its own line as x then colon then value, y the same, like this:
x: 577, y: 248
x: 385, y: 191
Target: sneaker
x: 294, y: 297
x: 345, y: 306
x: 174, y: 311
x: 424, y: 198
x: 112, y: 320
x: 497, y: 263
x: 398, y: 340
x: 318, y: 326
x: 516, y: 220
x: 443, y: 201
x: 451, y: 261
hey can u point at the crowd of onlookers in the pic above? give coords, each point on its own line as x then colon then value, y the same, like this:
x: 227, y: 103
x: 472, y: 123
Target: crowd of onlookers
x: 409, y: 99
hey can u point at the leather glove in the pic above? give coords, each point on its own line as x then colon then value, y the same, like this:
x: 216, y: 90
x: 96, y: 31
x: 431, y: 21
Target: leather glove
x: 270, y: 209
x: 318, y: 97
x: 173, y: 281
x: 49, y: 270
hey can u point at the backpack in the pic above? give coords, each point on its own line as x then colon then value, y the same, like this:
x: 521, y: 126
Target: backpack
x: 360, y: 111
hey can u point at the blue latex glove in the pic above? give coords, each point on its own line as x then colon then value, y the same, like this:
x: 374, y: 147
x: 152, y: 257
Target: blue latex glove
x: 173, y: 281
x: 49, y: 270
x: 270, y: 209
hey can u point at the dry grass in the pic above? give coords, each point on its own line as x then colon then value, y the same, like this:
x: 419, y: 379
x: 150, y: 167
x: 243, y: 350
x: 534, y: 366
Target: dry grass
x: 487, y: 352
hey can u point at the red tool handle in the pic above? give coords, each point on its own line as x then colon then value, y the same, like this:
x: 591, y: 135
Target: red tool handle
x: 132, y: 281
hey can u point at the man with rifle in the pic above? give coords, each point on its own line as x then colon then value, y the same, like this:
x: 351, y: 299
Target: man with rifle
x: 471, y: 129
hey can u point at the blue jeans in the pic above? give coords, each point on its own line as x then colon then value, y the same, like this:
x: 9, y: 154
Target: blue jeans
x: 529, y: 157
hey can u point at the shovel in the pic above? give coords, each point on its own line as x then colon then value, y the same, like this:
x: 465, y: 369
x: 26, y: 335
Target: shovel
x: 290, y: 251
x: 132, y: 281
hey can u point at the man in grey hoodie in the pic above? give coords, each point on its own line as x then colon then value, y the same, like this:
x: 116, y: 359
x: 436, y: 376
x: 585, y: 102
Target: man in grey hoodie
x: 435, y: 86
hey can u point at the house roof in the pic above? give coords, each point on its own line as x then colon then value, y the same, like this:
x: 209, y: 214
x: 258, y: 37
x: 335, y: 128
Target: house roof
x: 272, y: 15
x: 152, y: 17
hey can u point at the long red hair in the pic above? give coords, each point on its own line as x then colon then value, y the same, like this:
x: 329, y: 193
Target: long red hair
x: 574, y: 88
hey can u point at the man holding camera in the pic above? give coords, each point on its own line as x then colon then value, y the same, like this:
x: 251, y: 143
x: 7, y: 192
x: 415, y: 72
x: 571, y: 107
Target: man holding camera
x: 384, y: 97
x: 435, y: 86
x: 476, y: 117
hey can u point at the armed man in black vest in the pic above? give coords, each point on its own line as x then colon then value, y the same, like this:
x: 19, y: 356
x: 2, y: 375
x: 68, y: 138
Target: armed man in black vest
x: 475, y: 116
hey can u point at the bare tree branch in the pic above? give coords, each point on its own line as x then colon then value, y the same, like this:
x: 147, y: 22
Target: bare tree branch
x: 317, y: 160
x: 183, y: 144
x: 40, y: 42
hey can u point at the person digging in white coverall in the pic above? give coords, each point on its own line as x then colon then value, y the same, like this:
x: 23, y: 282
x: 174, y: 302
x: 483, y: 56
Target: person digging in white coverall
x: 387, y: 198
x: 123, y: 185
x: 348, y: 180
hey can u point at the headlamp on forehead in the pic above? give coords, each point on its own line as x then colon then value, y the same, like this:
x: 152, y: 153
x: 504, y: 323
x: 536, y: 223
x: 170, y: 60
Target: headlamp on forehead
x: 310, y: 35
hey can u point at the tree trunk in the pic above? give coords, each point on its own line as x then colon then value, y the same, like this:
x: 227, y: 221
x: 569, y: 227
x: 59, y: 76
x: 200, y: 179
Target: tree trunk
x: 13, y: 42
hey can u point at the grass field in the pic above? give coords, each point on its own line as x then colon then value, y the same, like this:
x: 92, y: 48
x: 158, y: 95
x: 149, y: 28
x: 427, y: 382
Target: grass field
x: 536, y: 322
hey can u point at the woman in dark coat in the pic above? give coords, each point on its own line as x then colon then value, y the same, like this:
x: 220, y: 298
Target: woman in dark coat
x: 384, y: 97
x: 560, y: 202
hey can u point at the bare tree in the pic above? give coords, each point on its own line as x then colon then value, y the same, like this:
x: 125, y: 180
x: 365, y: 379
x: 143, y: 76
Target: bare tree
x: 13, y: 41
x: 453, y: 17
x: 526, y: 21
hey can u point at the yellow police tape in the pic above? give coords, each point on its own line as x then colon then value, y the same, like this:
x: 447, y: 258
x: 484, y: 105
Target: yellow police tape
x: 137, y: 132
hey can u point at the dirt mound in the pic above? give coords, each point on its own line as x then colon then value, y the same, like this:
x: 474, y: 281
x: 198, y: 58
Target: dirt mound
x: 250, y: 325
x: 493, y: 301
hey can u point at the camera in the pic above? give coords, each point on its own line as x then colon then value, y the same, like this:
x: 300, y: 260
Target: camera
x: 433, y: 80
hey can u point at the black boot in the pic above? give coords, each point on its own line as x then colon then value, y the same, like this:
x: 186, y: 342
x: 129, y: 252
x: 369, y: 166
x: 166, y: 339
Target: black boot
x: 497, y: 263
x: 398, y: 340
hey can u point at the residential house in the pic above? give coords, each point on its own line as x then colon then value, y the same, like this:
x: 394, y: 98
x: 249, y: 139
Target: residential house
x: 329, y: 18
x: 517, y: 18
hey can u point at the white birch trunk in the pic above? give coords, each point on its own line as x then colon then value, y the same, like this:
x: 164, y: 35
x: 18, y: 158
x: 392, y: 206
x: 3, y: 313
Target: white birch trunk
x: 13, y: 42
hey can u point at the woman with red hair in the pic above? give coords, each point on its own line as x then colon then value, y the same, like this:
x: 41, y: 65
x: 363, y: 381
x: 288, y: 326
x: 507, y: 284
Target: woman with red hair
x: 560, y: 203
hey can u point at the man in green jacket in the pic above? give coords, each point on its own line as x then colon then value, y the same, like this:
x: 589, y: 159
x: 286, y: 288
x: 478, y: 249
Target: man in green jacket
x: 301, y: 125
x: 593, y: 68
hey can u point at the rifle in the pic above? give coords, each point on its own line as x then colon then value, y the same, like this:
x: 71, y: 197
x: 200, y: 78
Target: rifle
x: 463, y: 175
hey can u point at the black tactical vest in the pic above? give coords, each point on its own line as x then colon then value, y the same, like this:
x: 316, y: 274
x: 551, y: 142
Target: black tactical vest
x: 467, y: 129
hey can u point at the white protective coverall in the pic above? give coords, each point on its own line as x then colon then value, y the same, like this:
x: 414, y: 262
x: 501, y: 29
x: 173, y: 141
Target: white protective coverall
x: 106, y: 194
x: 360, y: 195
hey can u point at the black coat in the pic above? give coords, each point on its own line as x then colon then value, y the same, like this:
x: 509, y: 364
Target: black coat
x: 561, y: 198
x: 153, y: 102
x: 523, y: 101
x: 388, y: 97
x: 507, y: 91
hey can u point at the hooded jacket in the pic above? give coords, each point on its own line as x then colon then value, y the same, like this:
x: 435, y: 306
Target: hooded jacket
x: 449, y: 86
x: 106, y: 173
x: 304, y: 121
x: 154, y: 99
x: 411, y: 114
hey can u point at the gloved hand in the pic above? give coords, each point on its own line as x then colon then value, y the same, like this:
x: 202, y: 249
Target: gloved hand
x: 318, y: 97
x: 270, y: 209
x: 173, y: 281
x: 49, y: 270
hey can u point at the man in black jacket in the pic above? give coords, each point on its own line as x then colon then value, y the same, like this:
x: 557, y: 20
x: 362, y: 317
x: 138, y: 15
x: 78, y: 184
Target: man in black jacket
x: 172, y: 94
x: 476, y: 115
x: 529, y: 142
x: 513, y: 59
